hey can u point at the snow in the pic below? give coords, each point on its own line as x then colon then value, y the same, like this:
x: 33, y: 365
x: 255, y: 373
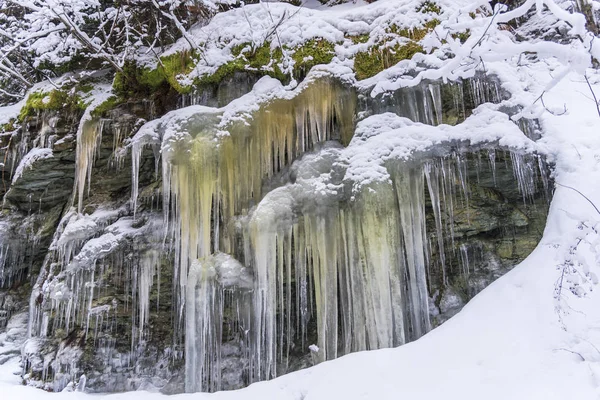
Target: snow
x: 8, y: 113
x: 383, y: 137
x: 29, y: 159
x: 520, y: 338
x: 284, y: 25
x: 509, y: 341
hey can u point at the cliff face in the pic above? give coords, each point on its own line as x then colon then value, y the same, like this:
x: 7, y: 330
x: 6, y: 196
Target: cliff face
x: 254, y: 248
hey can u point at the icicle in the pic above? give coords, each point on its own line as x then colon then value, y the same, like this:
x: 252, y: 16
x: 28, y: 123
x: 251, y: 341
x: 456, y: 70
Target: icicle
x: 149, y: 266
x: 89, y: 137
x: 211, y: 282
x: 464, y: 260
x: 409, y: 188
x: 378, y: 280
x: 436, y: 97
x: 492, y: 158
x: 203, y: 326
x: 524, y: 173
x: 433, y: 179
x: 268, y: 232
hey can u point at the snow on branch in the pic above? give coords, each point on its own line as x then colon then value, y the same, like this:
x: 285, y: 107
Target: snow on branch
x: 492, y: 38
x: 41, y: 38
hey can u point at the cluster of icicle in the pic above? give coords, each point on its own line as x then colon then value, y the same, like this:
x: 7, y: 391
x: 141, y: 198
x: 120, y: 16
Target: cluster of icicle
x: 89, y: 254
x: 20, y: 242
x: 284, y: 243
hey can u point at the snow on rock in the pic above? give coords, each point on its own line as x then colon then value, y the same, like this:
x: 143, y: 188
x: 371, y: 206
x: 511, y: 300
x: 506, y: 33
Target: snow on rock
x: 29, y: 159
x: 115, y: 235
x: 384, y: 137
x: 287, y: 26
x: 11, y: 112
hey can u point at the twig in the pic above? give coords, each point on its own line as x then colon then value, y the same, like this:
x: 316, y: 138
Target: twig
x: 593, y: 94
x: 550, y: 111
x: 571, y: 351
x: 582, y: 195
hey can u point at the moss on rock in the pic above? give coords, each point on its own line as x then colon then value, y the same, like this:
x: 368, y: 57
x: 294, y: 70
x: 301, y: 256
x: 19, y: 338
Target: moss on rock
x: 109, y: 104
x: 356, y: 39
x: 263, y: 60
x: 170, y: 69
x: 10, y: 126
x: 370, y: 63
x: 415, y: 33
x: 313, y: 52
x: 56, y: 99
x: 462, y: 36
x: 135, y: 81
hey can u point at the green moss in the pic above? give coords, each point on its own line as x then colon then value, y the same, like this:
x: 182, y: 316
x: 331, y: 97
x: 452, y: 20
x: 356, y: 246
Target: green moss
x: 417, y: 33
x: 76, y: 62
x: 260, y: 59
x: 264, y: 61
x: 10, y: 126
x: 462, y: 36
x: 170, y: 68
x: 54, y: 100
x: 85, y: 88
x: 370, y: 63
x: 356, y: 39
x: 313, y: 52
x: 136, y: 81
x: 429, y: 7
x: 109, y: 104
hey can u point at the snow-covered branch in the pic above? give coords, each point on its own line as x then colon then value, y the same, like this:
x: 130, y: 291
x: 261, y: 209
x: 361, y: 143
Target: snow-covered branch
x: 38, y: 37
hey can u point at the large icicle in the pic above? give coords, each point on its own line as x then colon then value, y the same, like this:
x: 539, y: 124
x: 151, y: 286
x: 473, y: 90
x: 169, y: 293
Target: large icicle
x: 211, y: 282
x: 409, y: 188
x: 89, y: 137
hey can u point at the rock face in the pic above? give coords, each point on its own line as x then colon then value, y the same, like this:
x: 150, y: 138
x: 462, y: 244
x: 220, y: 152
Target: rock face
x: 224, y: 274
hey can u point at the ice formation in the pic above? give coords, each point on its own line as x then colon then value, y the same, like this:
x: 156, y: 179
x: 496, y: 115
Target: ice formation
x: 331, y: 234
x: 295, y: 221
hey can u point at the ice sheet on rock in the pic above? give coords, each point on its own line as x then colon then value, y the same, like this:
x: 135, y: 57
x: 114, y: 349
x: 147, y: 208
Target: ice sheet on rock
x: 76, y: 228
x: 171, y: 128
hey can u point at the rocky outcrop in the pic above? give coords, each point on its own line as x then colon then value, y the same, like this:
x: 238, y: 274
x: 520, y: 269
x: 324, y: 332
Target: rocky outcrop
x: 104, y: 287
